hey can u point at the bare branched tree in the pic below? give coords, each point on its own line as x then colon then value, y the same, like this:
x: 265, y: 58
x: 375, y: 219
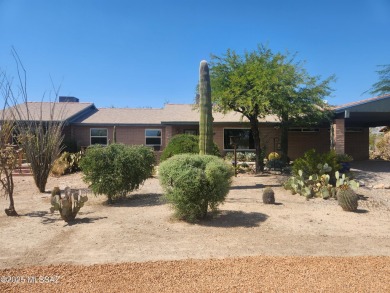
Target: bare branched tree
x: 39, y: 127
x: 9, y: 155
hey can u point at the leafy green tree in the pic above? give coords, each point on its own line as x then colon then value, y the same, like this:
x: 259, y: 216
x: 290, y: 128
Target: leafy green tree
x: 382, y: 87
x: 261, y: 83
x: 298, y: 99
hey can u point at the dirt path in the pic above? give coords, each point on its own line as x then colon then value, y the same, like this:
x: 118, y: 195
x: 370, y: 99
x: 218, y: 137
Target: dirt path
x: 140, y: 229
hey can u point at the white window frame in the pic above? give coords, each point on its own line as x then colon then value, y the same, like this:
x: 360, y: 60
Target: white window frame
x: 90, y: 135
x: 160, y: 137
x: 223, y: 141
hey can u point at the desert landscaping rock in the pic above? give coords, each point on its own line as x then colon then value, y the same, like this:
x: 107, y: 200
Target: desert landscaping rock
x: 135, y: 245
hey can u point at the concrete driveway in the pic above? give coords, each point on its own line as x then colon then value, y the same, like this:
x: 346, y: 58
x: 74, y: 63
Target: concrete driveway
x: 372, y: 172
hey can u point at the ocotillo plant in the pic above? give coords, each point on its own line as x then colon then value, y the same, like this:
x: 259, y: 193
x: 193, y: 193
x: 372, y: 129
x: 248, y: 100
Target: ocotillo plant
x: 206, y: 117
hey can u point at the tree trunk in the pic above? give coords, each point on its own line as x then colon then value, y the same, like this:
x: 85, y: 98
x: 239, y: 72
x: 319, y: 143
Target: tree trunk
x: 11, y: 210
x: 40, y: 181
x: 256, y: 139
x: 284, y: 138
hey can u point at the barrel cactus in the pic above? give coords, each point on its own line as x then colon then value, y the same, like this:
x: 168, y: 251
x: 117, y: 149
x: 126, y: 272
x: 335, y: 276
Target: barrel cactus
x: 268, y: 196
x: 347, y: 198
x: 206, y: 117
x: 68, y: 205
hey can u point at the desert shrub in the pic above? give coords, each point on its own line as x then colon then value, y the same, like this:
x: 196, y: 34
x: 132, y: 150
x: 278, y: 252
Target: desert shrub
x: 250, y: 157
x: 117, y: 169
x: 273, y: 156
x: 311, y: 160
x: 59, y: 167
x: 184, y: 144
x: 67, y: 163
x: 241, y: 157
x: 229, y: 156
x: 194, y: 183
x: 383, y: 147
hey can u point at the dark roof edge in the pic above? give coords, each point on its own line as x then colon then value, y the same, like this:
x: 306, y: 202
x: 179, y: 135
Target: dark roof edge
x: 344, y: 107
x: 74, y: 117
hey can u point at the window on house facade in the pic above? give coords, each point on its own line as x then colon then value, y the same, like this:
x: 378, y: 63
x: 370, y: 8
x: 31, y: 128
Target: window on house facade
x: 245, y: 141
x: 191, y: 131
x: 153, y: 137
x: 99, y: 136
x: 299, y: 129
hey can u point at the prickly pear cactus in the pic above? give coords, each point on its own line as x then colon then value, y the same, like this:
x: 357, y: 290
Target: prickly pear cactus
x: 347, y: 198
x: 268, y: 196
x: 206, y: 117
x: 68, y: 205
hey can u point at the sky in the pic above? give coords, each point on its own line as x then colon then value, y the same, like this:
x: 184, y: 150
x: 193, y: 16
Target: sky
x: 147, y: 53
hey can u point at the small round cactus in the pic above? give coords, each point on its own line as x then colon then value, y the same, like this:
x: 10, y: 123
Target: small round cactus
x: 347, y: 198
x: 268, y: 196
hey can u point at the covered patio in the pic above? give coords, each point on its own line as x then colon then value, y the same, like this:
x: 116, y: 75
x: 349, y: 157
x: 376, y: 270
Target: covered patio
x: 350, y: 129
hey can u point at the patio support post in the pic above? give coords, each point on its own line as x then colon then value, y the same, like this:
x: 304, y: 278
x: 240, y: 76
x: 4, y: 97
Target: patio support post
x: 339, y: 136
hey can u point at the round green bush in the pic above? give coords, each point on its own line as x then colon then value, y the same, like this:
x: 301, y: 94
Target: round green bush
x: 117, y: 169
x: 184, y: 144
x: 309, y: 162
x: 193, y: 184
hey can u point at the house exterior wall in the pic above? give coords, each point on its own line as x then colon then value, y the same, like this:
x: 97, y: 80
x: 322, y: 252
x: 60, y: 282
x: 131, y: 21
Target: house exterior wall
x: 131, y: 135
x: 357, y: 144
x: 301, y: 142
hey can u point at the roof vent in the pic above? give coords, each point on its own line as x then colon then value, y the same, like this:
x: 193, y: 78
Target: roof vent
x: 66, y: 99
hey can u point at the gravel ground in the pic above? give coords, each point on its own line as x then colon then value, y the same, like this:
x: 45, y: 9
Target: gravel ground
x: 249, y: 274
x: 135, y: 246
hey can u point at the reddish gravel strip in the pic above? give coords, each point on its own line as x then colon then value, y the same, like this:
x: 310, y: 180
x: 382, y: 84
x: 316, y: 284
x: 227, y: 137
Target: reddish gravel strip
x: 247, y: 274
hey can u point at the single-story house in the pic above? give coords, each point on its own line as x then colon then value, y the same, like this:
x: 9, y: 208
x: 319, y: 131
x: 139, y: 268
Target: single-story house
x: 86, y: 125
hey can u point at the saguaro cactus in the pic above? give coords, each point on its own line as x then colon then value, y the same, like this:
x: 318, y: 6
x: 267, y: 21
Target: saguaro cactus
x: 114, y: 135
x: 206, y: 117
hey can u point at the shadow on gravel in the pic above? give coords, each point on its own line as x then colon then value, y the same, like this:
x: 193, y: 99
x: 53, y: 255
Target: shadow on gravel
x: 256, y: 186
x: 37, y: 214
x: 49, y: 218
x: 231, y: 219
x: 361, y: 211
x: 139, y: 200
x: 372, y: 166
x: 78, y: 221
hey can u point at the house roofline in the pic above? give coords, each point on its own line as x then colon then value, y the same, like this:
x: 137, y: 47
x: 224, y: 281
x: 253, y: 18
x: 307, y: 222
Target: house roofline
x: 344, y: 107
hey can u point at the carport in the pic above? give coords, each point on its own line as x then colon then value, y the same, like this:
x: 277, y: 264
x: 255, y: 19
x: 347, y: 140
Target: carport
x: 350, y: 129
